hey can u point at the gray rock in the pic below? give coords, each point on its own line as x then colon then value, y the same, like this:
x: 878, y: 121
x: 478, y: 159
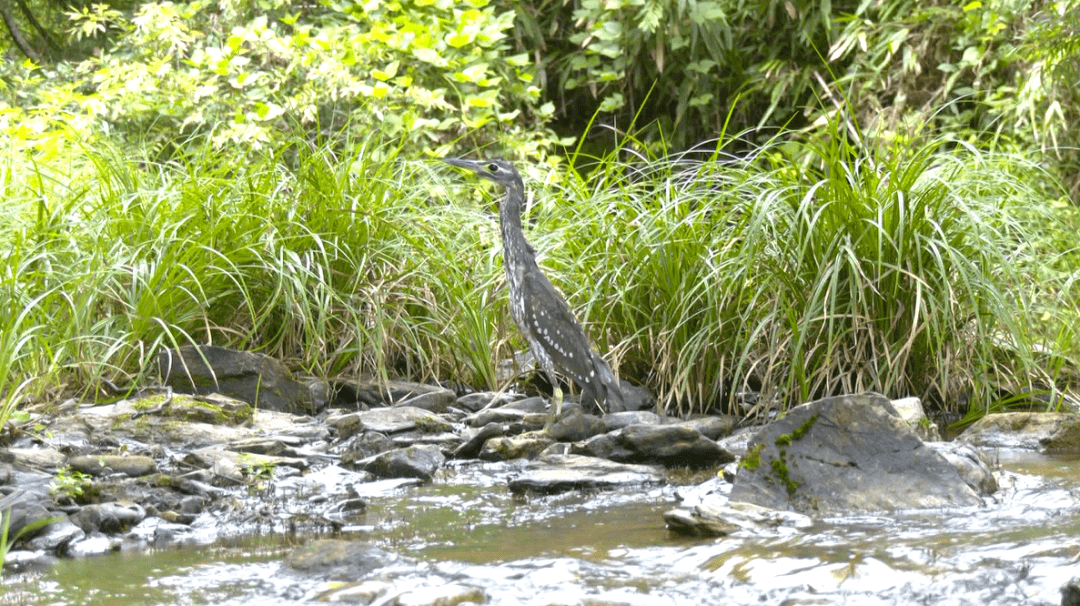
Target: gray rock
x: 23, y: 509
x: 339, y: 560
x: 526, y: 446
x: 367, y: 445
x: 605, y: 446
x: 496, y: 415
x: 970, y: 463
x: 435, y: 399
x: 1051, y: 433
x: 635, y: 398
x: 672, y: 445
x: 911, y: 410
x: 713, y: 427
x: 403, y: 418
x: 614, y: 421
x: 553, y: 474
x: 157, y: 530
x: 109, y: 518
x: 447, y: 593
x: 711, y: 520
x: 36, y: 458
x: 843, y: 454
x: 480, y: 400
x: 574, y: 425
x: 413, y: 462
x: 102, y: 465
x: 55, y: 536
x: 93, y: 545
x: 470, y: 449
x: 254, y: 378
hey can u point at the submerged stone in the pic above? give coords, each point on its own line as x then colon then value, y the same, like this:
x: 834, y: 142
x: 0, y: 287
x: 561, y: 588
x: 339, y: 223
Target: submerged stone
x: 560, y: 473
x: 1051, y: 433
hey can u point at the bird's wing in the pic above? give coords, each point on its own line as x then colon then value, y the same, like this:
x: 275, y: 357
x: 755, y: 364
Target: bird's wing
x: 553, y: 325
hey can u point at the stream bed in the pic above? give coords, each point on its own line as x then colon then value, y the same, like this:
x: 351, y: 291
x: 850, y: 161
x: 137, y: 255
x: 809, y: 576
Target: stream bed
x: 464, y: 538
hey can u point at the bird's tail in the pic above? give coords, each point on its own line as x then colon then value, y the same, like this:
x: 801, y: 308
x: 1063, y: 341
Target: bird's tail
x: 605, y: 387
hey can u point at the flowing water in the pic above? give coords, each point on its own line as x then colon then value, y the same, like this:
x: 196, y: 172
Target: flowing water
x: 466, y: 539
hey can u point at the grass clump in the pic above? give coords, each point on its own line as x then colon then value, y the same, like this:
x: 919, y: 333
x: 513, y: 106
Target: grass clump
x: 792, y: 272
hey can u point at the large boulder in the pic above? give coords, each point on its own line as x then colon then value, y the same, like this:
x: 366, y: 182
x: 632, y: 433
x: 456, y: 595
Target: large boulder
x: 251, y: 377
x: 843, y: 454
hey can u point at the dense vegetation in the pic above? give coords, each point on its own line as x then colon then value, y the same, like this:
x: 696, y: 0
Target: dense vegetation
x: 880, y: 202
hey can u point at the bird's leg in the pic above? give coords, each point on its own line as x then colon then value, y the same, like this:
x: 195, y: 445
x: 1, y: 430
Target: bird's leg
x: 556, y: 407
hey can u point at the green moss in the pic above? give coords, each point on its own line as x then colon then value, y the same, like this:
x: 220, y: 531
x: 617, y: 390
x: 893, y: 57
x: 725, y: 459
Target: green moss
x: 780, y: 469
x: 805, y: 427
x: 752, y: 460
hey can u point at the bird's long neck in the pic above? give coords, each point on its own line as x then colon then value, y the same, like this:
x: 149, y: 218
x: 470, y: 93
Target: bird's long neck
x: 515, y: 247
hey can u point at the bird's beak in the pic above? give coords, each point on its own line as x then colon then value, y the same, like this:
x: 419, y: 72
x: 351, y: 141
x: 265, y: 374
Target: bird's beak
x: 473, y: 165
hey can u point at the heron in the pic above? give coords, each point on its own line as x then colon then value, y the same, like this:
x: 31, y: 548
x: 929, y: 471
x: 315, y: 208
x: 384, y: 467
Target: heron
x: 555, y: 337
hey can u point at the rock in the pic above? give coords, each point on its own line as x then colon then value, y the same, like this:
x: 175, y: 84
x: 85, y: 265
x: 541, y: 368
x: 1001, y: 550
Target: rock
x: 574, y: 425
x: 109, y: 517
x: 970, y: 463
x: 672, y: 445
x: 553, y: 474
x: 527, y: 446
x: 496, y: 415
x: 254, y: 378
x: 155, y: 530
x: 614, y: 421
x: 712, y: 427
x: 446, y: 594
x: 102, y: 465
x: 93, y: 545
x: 844, y: 454
x: 367, y: 445
x: 22, y: 511
x: 403, y: 418
x: 56, y: 536
x: 1047, y: 432
x: 339, y: 560
x: 45, y: 459
x: 911, y: 411
x: 471, y: 448
x: 413, y: 462
x: 605, y: 446
x: 1070, y: 592
x: 635, y: 398
x: 480, y: 400
x: 211, y: 457
x: 436, y: 399
x: 710, y: 520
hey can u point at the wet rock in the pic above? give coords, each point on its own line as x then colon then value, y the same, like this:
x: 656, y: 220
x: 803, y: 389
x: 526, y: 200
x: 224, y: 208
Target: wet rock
x: 614, y: 421
x: 671, y: 445
x: 710, y: 520
x: 842, y: 454
x: 560, y: 473
x: 574, y: 425
x: 635, y: 398
x: 414, y: 462
x: 93, y: 545
x: 339, y: 560
x: 1070, y: 592
x: 156, y: 530
x: 526, y: 446
x: 102, y: 465
x: 447, y: 440
x: 219, y: 460
x: 108, y: 518
x: 23, y: 509
x: 403, y: 418
x: 911, y: 410
x: 36, y: 458
x: 124, y: 420
x: 56, y: 536
x: 367, y: 445
x: 1051, y: 433
x: 254, y: 378
x: 713, y: 427
x: 495, y: 415
x: 446, y: 594
x: 436, y: 400
x: 970, y: 463
x: 605, y: 446
x: 480, y: 400
x: 471, y: 448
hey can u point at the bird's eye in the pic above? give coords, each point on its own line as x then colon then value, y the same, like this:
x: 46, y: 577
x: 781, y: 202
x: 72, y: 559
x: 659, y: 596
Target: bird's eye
x: 493, y: 167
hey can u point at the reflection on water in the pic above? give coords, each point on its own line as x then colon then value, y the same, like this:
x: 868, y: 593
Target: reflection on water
x: 462, y: 534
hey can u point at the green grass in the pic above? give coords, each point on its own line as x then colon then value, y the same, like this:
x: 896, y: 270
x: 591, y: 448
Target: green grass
x: 796, y: 272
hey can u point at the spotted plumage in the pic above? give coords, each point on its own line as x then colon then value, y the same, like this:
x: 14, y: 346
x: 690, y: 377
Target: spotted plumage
x: 543, y: 316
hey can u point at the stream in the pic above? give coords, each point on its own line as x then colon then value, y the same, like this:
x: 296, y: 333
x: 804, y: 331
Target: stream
x: 464, y: 539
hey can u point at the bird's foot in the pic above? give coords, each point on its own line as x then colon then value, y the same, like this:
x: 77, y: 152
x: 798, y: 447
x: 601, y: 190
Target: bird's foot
x: 556, y: 409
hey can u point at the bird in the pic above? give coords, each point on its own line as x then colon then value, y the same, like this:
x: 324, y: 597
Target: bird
x: 555, y: 337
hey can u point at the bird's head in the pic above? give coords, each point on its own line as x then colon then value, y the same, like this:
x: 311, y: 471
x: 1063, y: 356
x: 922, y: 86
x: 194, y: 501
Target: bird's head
x: 495, y: 169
